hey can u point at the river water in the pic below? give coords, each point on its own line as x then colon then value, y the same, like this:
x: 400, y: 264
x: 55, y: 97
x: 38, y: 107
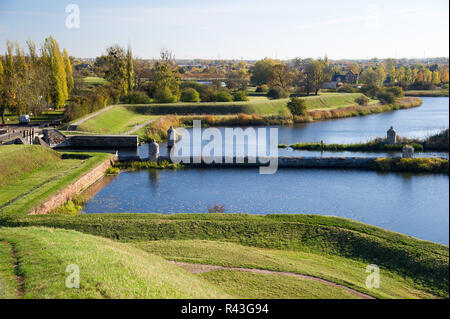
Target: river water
x: 413, y: 204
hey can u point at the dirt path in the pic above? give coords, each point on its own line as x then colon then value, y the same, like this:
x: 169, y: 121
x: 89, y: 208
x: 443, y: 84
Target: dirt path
x: 202, y: 268
x: 138, y: 127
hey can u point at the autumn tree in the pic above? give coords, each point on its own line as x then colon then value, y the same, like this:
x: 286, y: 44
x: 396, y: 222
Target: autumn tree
x: 281, y: 76
x: 115, y: 70
x: 130, y: 71
x: 58, y: 92
x: 261, y: 71
x: 69, y: 73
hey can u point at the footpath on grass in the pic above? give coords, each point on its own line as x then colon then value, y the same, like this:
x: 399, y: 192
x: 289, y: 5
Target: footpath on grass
x: 202, y: 268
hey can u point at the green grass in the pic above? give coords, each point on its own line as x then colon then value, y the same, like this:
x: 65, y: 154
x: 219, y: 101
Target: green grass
x: 8, y: 283
x: 31, y: 174
x: 333, y: 268
x: 260, y: 105
x: 108, y: 269
x: 326, y: 101
x: 426, y: 262
x: 94, y: 81
x: 118, y: 120
x: 246, y: 285
x: 45, y: 116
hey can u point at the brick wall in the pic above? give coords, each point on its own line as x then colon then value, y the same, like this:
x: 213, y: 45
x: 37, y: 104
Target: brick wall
x: 73, y: 189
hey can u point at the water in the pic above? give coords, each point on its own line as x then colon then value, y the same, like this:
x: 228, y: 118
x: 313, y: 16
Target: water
x: 416, y: 205
x: 420, y: 122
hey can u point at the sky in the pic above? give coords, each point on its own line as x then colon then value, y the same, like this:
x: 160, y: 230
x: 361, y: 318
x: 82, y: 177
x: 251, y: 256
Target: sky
x: 230, y: 29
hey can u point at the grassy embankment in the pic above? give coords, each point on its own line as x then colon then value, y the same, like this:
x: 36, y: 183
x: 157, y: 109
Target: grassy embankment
x: 122, y: 118
x: 36, y: 259
x: 426, y: 93
x: 30, y: 174
x: 118, y: 120
x: 423, y: 265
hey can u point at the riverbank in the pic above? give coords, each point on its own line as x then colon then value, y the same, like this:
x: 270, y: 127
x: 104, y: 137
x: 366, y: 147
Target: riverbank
x: 427, y: 93
x: 158, y: 129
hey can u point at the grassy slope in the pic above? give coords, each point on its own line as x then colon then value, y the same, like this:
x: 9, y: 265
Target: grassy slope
x: 333, y: 101
x: 34, y: 173
x: 107, y: 269
x: 333, y: 268
x: 262, y: 286
x: 118, y: 120
x: 122, y: 118
x: 426, y: 262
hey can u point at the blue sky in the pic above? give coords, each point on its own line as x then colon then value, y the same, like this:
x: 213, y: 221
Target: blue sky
x: 237, y: 29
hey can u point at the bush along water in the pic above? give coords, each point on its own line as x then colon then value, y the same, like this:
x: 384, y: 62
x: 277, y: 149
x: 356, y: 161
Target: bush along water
x: 136, y: 165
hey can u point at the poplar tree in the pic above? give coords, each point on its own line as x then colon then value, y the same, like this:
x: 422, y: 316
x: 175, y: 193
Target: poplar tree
x: 130, y: 71
x: 58, y: 92
x: 69, y: 73
x: 1, y: 92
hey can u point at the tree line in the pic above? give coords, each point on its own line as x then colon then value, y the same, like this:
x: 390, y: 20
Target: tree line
x: 34, y: 81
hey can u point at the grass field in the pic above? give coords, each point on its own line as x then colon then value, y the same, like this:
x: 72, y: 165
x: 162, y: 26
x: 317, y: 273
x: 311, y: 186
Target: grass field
x: 94, y: 81
x: 37, y: 173
x: 118, y: 120
x: 108, y: 269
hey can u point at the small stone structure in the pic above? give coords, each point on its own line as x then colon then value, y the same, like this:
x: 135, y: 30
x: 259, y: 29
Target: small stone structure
x: 408, y: 151
x: 153, y: 151
x: 172, y: 136
x: 391, y: 136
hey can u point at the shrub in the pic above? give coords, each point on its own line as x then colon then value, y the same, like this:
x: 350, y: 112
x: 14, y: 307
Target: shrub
x: 397, y: 91
x: 190, y: 95
x: 224, y: 96
x: 386, y: 97
x: 277, y: 93
x: 362, y: 100
x: 262, y: 88
x: 207, y: 94
x: 137, y: 98
x: 164, y: 95
x: 297, y: 106
x: 240, y: 96
x: 191, y: 84
x: 112, y: 171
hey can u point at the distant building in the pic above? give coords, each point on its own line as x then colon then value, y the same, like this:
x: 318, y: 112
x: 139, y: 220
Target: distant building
x: 351, y: 77
x: 336, y: 81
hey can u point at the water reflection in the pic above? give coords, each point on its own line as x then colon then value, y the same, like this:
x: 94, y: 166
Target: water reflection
x: 416, y: 205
